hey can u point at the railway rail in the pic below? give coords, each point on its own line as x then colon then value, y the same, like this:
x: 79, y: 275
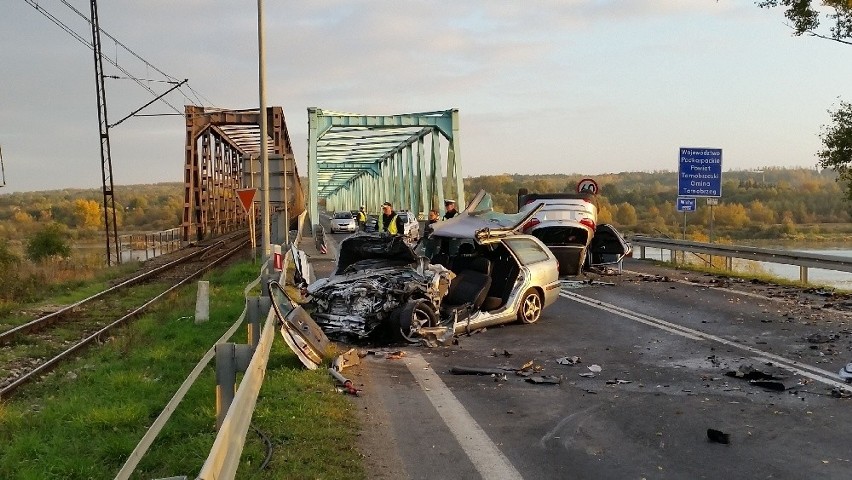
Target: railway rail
x: 31, y: 349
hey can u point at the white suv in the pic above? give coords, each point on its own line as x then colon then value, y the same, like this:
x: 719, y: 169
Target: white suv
x: 411, y: 227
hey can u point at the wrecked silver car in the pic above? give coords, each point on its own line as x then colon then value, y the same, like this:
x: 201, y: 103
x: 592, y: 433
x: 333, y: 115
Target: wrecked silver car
x: 379, y: 288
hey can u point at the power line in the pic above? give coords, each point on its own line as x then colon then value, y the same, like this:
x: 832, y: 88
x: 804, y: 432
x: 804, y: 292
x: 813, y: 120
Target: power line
x: 114, y: 63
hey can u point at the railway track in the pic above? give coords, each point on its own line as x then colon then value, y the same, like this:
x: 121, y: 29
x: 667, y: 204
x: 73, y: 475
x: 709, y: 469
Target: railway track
x: 31, y: 349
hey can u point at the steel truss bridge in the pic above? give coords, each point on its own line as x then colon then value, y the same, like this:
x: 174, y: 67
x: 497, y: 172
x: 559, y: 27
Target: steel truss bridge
x: 366, y: 160
x: 220, y: 147
x: 353, y: 160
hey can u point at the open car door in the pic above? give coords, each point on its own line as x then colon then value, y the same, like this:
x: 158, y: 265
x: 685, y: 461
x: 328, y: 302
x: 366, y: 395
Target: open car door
x: 608, y: 246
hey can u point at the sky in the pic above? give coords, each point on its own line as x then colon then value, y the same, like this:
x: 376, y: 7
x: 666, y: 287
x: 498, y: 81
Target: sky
x: 542, y: 87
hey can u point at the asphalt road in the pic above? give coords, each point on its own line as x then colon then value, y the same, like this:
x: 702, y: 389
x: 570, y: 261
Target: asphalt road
x: 663, y: 348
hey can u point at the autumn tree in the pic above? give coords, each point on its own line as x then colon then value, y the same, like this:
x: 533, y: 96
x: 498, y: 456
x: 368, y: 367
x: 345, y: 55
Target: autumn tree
x: 87, y: 214
x: 837, y: 142
x: 806, y: 18
x: 625, y: 215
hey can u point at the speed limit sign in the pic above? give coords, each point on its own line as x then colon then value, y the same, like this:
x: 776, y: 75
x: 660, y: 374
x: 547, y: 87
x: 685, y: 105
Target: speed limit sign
x: 587, y: 185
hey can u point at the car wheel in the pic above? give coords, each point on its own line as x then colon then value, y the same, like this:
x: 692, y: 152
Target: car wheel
x: 413, y: 316
x: 531, y: 306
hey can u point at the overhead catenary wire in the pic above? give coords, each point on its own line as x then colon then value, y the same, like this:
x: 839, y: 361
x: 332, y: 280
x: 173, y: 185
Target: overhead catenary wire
x: 114, y: 62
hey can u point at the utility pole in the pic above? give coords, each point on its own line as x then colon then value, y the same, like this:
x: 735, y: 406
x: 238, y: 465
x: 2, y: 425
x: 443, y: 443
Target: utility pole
x: 106, y: 160
x: 264, y: 149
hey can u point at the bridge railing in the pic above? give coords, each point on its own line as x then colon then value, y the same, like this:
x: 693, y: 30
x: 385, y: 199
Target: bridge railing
x: 728, y: 252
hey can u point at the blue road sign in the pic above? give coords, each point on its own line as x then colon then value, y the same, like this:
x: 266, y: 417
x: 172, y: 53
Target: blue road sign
x: 686, y: 204
x: 699, y: 172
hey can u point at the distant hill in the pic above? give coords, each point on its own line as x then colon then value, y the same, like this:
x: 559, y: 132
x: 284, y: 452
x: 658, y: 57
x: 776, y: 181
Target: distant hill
x: 773, y: 203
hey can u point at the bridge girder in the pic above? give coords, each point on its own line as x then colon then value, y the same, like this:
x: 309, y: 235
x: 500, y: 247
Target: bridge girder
x: 358, y: 159
x: 216, y: 142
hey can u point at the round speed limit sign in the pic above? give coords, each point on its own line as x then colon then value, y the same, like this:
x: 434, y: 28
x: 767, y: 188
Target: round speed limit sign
x: 587, y: 185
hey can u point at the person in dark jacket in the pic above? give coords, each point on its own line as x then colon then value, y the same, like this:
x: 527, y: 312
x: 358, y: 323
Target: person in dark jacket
x: 450, y: 207
x: 433, y: 217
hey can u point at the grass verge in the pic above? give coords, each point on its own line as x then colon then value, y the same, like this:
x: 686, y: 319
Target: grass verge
x: 83, y: 419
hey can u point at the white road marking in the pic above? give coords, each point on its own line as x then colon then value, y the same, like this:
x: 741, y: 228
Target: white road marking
x: 793, y: 366
x: 486, y: 457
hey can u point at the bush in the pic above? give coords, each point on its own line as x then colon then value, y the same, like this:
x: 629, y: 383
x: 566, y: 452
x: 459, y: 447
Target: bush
x: 48, y: 242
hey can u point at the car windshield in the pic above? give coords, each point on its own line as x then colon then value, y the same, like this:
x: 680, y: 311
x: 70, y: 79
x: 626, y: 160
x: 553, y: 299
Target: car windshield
x: 403, y: 217
x: 342, y: 216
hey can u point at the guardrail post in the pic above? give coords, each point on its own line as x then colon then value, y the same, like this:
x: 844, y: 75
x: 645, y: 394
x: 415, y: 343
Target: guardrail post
x: 257, y: 308
x: 230, y: 359
x: 803, y: 274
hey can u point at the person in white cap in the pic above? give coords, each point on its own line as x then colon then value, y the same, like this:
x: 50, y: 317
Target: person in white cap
x: 450, y: 206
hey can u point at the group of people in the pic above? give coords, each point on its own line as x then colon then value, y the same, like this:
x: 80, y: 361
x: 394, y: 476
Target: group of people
x: 390, y: 222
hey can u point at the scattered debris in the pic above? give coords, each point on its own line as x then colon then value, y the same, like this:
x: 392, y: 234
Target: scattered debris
x: 477, y: 371
x: 718, y: 436
x: 820, y: 338
x: 595, y: 368
x: 770, y: 381
x: 347, y: 359
x: 433, y: 337
x: 505, y: 354
x: 568, y: 360
x: 545, y: 380
x: 395, y: 355
x: 840, y: 393
x: 617, y: 381
x: 587, y: 374
x: 846, y: 373
x: 346, y: 384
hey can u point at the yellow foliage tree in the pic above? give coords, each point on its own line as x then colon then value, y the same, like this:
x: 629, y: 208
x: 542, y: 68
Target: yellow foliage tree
x: 87, y: 214
x: 625, y: 215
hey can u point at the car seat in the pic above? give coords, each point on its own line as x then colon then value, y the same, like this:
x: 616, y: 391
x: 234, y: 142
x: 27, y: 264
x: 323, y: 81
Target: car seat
x: 467, y: 290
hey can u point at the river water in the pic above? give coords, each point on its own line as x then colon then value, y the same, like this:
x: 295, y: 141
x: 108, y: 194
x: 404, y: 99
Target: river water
x: 816, y: 276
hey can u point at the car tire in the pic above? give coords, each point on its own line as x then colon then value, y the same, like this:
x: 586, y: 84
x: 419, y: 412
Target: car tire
x: 531, y: 306
x: 412, y: 317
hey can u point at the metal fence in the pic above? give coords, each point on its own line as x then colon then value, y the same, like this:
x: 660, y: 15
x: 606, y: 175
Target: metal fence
x: 147, y: 245
x: 729, y: 252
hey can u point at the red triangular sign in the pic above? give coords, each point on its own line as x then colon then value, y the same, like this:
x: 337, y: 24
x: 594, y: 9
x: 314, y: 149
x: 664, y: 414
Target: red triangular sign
x: 246, y: 197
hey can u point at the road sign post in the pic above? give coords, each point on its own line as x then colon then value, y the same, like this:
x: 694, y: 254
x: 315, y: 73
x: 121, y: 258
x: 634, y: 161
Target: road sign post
x: 686, y: 204
x: 700, y: 175
x: 246, y: 196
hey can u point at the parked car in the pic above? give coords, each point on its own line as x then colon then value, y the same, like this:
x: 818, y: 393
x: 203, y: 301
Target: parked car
x: 565, y: 223
x: 411, y: 227
x: 372, y: 224
x: 343, y: 222
x: 502, y: 275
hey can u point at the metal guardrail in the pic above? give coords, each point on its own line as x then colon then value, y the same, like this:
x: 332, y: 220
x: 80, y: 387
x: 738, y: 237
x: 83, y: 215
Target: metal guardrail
x: 153, y: 244
x: 802, y: 260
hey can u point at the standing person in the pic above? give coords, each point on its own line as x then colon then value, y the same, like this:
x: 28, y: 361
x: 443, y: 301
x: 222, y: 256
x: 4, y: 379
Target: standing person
x: 450, y: 206
x: 433, y: 217
x: 362, y: 218
x: 389, y: 221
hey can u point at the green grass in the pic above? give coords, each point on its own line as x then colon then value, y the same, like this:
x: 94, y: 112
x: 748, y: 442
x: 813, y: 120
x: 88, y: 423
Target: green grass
x: 84, y: 418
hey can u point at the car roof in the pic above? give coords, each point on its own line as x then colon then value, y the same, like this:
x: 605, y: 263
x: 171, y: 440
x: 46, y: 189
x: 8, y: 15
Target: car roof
x: 479, y: 221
